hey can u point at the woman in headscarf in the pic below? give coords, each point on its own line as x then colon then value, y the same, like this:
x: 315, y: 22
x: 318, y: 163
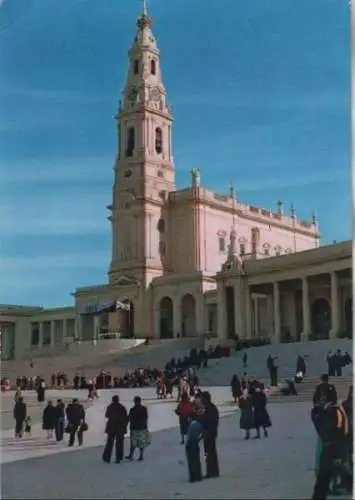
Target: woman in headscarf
x: 246, y: 413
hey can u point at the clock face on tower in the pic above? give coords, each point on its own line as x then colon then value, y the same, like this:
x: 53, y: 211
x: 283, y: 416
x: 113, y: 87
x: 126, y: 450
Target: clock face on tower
x: 154, y: 94
x: 133, y: 94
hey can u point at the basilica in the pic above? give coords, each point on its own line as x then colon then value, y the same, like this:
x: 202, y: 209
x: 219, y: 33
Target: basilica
x: 189, y: 262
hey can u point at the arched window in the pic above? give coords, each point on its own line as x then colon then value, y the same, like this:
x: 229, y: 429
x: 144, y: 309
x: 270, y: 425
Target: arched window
x: 153, y: 67
x: 130, y: 141
x: 136, y: 66
x: 158, y: 140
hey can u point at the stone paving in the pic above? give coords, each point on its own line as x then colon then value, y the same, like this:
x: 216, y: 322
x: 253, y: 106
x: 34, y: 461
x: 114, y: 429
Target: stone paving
x: 278, y: 467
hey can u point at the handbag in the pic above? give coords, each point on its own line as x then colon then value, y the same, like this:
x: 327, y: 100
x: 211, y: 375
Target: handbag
x: 84, y: 427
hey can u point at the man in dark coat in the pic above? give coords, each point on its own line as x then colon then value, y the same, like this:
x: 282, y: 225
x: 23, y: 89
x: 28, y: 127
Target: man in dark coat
x: 116, y: 428
x: 76, y: 418
x: 210, y: 421
x: 324, y: 392
x: 332, y: 426
x: 59, y: 420
x: 20, y: 414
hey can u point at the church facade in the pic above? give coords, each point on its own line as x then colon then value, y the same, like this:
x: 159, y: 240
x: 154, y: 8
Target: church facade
x: 168, y: 244
x: 175, y: 252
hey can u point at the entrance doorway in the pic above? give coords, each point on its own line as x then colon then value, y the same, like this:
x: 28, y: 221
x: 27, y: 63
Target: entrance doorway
x: 166, y: 325
x: 127, y: 320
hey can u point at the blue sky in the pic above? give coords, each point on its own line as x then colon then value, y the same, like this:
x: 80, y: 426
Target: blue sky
x: 260, y: 91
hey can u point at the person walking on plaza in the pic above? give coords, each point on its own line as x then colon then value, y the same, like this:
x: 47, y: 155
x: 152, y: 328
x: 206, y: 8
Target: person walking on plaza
x: 210, y: 422
x: 76, y: 422
x: 236, y: 388
x: 192, y: 448
x: 332, y: 426
x: 138, y: 423
x: 59, y: 420
x: 49, y: 419
x: 183, y: 411
x: 116, y: 428
x: 261, y: 415
x: 20, y: 414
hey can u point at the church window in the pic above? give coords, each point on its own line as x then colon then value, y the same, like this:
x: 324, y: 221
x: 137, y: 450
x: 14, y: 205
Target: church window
x: 161, y: 225
x: 127, y: 205
x: 130, y: 141
x: 160, y: 173
x: 136, y: 66
x: 153, y: 67
x: 158, y: 140
x: 242, y: 249
x: 127, y: 173
x: 222, y: 244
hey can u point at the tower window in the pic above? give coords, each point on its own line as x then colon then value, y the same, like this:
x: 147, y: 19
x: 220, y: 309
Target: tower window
x: 158, y: 140
x: 222, y: 244
x: 130, y: 142
x: 153, y: 67
x: 136, y: 66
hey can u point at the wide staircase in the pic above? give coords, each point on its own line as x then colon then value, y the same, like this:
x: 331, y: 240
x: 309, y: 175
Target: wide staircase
x: 91, y: 361
x: 314, y: 353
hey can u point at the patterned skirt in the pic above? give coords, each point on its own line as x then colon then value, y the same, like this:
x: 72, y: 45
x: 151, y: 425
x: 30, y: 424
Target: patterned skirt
x: 140, y: 439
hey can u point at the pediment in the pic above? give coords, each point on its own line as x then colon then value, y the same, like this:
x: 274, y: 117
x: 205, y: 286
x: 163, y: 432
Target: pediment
x: 126, y: 280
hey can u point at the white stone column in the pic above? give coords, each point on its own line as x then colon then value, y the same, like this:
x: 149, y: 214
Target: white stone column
x: 96, y: 328
x: 200, y: 315
x: 65, y: 329
x: 40, y: 342
x: 334, y: 294
x: 256, y: 316
x: 177, y: 318
x: 221, y: 312
x: 270, y: 316
x: 79, y: 327
x: 248, y: 308
x: 52, y: 334
x: 277, y: 313
x: 305, y: 310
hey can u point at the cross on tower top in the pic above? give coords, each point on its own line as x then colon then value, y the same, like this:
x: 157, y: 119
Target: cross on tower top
x: 145, y: 7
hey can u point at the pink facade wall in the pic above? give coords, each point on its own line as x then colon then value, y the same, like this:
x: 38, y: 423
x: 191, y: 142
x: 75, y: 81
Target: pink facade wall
x: 216, y: 224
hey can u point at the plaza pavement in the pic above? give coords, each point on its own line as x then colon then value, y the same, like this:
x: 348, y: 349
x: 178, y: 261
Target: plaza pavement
x: 278, y: 467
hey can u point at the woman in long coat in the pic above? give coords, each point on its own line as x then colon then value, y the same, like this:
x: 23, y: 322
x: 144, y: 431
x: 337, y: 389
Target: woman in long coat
x: 49, y: 419
x: 246, y: 413
x: 194, y: 436
x: 261, y: 415
x: 236, y: 387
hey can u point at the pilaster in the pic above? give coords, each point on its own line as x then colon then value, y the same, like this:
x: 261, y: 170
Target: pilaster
x: 277, y: 313
x: 177, y: 318
x: 305, y: 310
x: 221, y: 312
x: 52, y: 334
x: 334, y: 292
x: 40, y: 341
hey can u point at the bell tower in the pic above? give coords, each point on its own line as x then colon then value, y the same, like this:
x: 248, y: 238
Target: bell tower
x: 144, y: 168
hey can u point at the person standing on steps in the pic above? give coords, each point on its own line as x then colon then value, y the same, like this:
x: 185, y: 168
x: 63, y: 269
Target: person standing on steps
x: 138, y: 424
x: 245, y: 360
x: 116, y: 428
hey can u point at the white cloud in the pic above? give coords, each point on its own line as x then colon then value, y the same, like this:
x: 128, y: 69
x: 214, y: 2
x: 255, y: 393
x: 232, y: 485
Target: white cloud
x: 53, y: 262
x: 71, y: 211
x: 63, y: 170
x: 281, y: 182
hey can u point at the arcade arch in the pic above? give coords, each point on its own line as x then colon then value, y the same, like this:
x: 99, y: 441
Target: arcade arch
x: 188, y: 315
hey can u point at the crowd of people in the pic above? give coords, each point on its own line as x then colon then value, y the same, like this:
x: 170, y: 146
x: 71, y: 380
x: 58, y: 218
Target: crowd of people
x: 199, y: 417
x: 138, y: 377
